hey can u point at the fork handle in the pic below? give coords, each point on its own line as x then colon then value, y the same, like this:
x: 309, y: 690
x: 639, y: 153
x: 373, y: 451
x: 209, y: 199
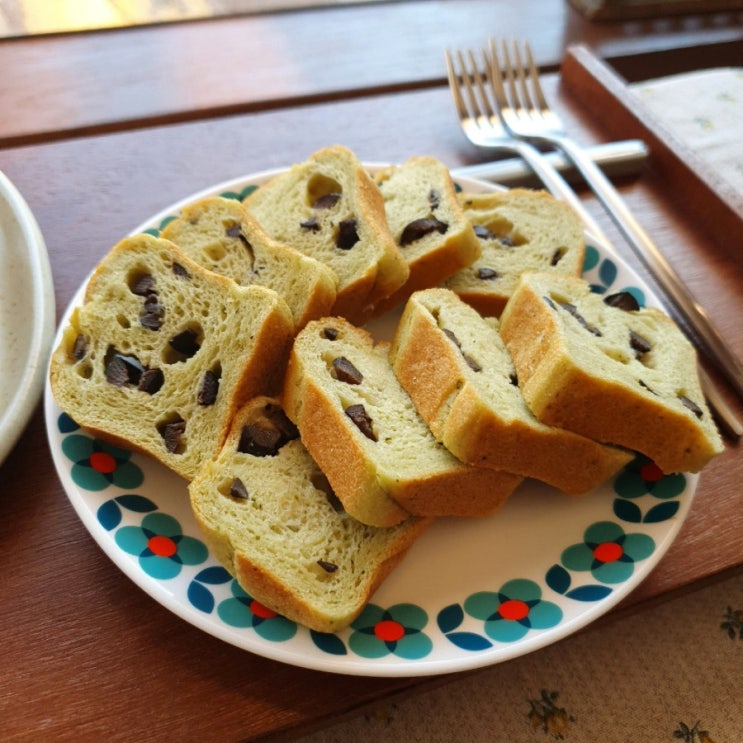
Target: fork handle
x: 649, y: 253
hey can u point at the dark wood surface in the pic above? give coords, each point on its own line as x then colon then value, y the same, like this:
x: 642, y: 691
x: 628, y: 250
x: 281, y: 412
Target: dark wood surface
x: 74, y: 84
x: 86, y: 653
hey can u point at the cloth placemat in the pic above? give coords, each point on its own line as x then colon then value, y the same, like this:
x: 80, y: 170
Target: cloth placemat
x: 671, y: 672
x: 704, y: 109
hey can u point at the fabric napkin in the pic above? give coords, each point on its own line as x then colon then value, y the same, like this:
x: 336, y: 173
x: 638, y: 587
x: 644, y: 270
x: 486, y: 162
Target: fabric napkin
x: 705, y: 110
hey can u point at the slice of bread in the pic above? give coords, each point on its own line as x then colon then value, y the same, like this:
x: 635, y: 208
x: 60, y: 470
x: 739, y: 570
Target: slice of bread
x: 329, y: 208
x: 162, y: 352
x: 462, y: 380
x: 520, y: 230
x: 219, y: 234
x: 427, y: 222
x: 270, y: 518
x: 621, y: 376
x: 362, y: 429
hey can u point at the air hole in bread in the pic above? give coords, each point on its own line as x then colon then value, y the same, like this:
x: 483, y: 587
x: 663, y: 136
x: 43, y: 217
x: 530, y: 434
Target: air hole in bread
x: 123, y: 321
x: 84, y: 370
x: 184, y: 344
x: 140, y: 281
x: 618, y: 355
x: 172, y: 428
x: 323, y: 192
x: 501, y: 231
x: 215, y: 252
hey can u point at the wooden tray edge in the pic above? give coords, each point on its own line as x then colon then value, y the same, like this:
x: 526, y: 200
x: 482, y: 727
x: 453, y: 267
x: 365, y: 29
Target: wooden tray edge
x: 698, y: 190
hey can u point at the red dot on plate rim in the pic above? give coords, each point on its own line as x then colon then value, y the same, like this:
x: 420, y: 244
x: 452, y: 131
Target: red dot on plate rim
x: 102, y: 462
x: 261, y: 611
x: 608, y: 552
x: 162, y: 546
x: 650, y: 472
x: 389, y: 631
x: 514, y: 609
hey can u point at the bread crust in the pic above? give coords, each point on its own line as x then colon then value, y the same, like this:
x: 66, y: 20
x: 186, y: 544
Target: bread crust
x: 576, y: 386
x: 274, y: 540
x: 370, y: 270
x: 109, y: 320
x: 475, y: 424
x: 371, y: 487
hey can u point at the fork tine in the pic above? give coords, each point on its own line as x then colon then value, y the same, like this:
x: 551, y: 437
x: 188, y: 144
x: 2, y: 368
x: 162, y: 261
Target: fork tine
x: 467, y: 79
x: 521, y: 77
x: 487, y: 109
x: 454, y: 86
x: 511, y: 82
x: 534, y: 77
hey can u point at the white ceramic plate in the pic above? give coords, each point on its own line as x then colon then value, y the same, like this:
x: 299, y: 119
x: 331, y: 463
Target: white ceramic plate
x: 26, y: 314
x: 470, y: 593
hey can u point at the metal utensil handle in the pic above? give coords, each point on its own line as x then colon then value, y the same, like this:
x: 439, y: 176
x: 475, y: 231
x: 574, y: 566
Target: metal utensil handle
x: 656, y: 263
x: 623, y: 157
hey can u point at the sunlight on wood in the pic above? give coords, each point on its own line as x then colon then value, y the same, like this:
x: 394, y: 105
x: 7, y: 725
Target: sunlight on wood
x: 32, y: 17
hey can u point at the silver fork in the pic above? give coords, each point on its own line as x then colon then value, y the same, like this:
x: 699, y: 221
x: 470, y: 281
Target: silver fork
x: 479, y: 119
x: 526, y: 114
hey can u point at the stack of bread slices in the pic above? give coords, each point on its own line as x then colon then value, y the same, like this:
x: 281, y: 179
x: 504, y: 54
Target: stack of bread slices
x: 232, y: 349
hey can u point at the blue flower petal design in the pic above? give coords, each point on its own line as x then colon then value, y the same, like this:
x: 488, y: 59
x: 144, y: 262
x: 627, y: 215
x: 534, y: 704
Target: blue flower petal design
x: 608, y: 552
x: 160, y: 546
x: 512, y: 611
x: 397, y: 630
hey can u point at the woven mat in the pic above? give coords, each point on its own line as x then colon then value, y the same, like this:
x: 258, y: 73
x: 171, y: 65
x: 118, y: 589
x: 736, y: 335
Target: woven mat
x: 32, y: 17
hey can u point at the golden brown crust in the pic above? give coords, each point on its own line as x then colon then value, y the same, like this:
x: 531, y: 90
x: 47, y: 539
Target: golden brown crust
x: 574, y: 386
x: 274, y: 534
x: 422, y: 188
x: 339, y: 456
x: 211, y: 307
x: 404, y: 471
x: 469, y: 415
x: 368, y: 271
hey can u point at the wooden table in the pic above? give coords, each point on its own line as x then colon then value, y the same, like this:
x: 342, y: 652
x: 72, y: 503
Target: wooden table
x: 102, y: 130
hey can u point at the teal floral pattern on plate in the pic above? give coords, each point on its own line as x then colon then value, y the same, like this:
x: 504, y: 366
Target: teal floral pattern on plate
x: 160, y: 546
x: 469, y: 593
